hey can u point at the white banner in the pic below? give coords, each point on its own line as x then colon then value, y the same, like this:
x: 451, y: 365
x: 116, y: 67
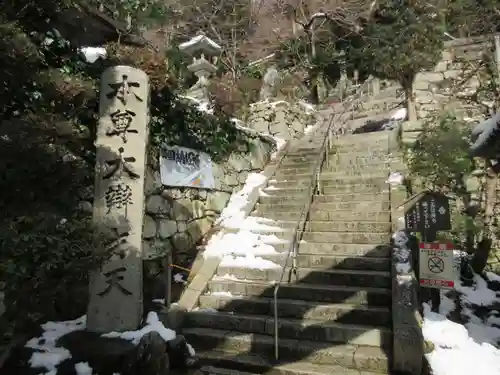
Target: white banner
x: 180, y: 166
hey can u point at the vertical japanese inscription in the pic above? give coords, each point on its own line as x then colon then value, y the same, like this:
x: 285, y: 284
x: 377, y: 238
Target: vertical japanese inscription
x: 116, y: 289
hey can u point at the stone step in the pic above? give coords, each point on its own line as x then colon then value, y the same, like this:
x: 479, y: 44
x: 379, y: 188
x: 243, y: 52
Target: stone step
x: 367, y: 147
x: 293, y: 206
x: 273, y: 190
x: 346, y: 237
x: 360, y: 152
x: 340, y: 180
x: 334, y: 189
x: 343, y: 262
x: 320, y: 330
x: 305, y: 292
x: 291, y: 350
x: 348, y: 226
x: 334, y: 172
x: 350, y: 170
x: 263, y: 366
x: 359, y: 159
x: 347, y: 249
x: 340, y: 313
x: 331, y: 226
x: 317, y: 276
x: 321, y: 215
x: 347, y: 197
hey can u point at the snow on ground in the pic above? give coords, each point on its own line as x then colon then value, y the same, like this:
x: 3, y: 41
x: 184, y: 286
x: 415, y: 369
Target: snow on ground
x: 48, y: 356
x: 471, y: 347
x: 456, y: 352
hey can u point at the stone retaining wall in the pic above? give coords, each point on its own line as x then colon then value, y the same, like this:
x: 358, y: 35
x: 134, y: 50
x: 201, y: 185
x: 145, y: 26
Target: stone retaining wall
x: 280, y: 119
x: 451, y: 76
x: 177, y: 219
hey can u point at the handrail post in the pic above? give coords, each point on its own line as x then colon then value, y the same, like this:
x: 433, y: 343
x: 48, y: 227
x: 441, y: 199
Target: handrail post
x: 276, y: 339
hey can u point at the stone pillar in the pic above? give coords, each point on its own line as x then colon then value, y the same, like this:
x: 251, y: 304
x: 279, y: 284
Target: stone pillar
x: 116, y: 300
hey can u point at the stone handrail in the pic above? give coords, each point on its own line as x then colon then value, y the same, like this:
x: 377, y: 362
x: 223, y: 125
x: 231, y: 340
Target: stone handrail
x: 408, y: 341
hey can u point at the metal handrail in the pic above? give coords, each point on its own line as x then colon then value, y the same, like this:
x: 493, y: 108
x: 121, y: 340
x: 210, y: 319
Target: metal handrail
x: 314, y: 186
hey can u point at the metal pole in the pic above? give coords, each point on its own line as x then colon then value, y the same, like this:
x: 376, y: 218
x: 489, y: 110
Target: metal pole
x: 168, y: 299
x: 276, y: 339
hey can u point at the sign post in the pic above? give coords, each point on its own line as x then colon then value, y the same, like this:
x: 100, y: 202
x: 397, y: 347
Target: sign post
x: 429, y: 214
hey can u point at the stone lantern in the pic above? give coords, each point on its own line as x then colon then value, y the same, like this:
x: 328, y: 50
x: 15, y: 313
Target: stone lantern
x: 204, y: 52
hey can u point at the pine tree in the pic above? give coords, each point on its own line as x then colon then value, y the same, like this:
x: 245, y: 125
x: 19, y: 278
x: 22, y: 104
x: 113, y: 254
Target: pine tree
x: 403, y: 38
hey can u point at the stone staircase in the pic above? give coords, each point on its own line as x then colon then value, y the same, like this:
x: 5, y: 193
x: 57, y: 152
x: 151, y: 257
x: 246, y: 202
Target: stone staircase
x: 335, y: 317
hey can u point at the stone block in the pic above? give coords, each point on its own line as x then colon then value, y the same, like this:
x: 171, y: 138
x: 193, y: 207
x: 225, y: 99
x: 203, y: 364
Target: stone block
x: 152, y: 183
x: 429, y: 77
x: 157, y: 205
x: 182, y: 241
x: 149, y: 230
x: 217, y: 201
x: 167, y: 228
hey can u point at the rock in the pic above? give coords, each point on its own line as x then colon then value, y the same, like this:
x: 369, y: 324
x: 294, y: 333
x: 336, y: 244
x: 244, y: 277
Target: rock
x: 217, y: 201
x: 149, y: 230
x: 181, y: 356
x: 152, y: 357
x: 194, y: 231
x: 172, y: 194
x: 64, y: 128
x: 182, y: 241
x: 157, y: 205
x: 167, y: 228
x: 85, y: 206
x: 181, y: 209
x: 153, y: 183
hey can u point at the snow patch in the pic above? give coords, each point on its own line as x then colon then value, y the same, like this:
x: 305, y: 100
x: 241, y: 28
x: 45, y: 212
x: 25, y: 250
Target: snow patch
x: 248, y: 261
x: 455, y: 351
x: 153, y: 324
x: 399, y: 114
x: 233, y: 214
x: 47, y: 355
x: 395, y: 179
x: 198, y: 39
x: 83, y: 368
x: 92, y: 54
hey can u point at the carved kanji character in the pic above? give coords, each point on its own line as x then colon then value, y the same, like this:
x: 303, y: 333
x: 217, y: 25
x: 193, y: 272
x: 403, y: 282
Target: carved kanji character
x: 113, y: 279
x: 122, y: 90
x: 116, y: 246
x: 121, y: 164
x: 121, y: 124
x: 118, y: 196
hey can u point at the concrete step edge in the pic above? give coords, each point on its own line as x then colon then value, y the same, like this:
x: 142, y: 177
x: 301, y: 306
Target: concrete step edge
x: 264, y: 366
x: 325, y: 323
x: 331, y: 288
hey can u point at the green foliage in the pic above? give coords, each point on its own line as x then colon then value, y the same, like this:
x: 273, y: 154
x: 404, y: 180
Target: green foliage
x: 180, y: 122
x: 327, y: 63
x: 45, y: 263
x: 440, y: 154
x: 465, y: 18
x: 48, y: 117
x: 403, y: 38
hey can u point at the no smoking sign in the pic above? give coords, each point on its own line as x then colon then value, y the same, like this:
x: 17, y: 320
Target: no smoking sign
x: 436, y: 265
